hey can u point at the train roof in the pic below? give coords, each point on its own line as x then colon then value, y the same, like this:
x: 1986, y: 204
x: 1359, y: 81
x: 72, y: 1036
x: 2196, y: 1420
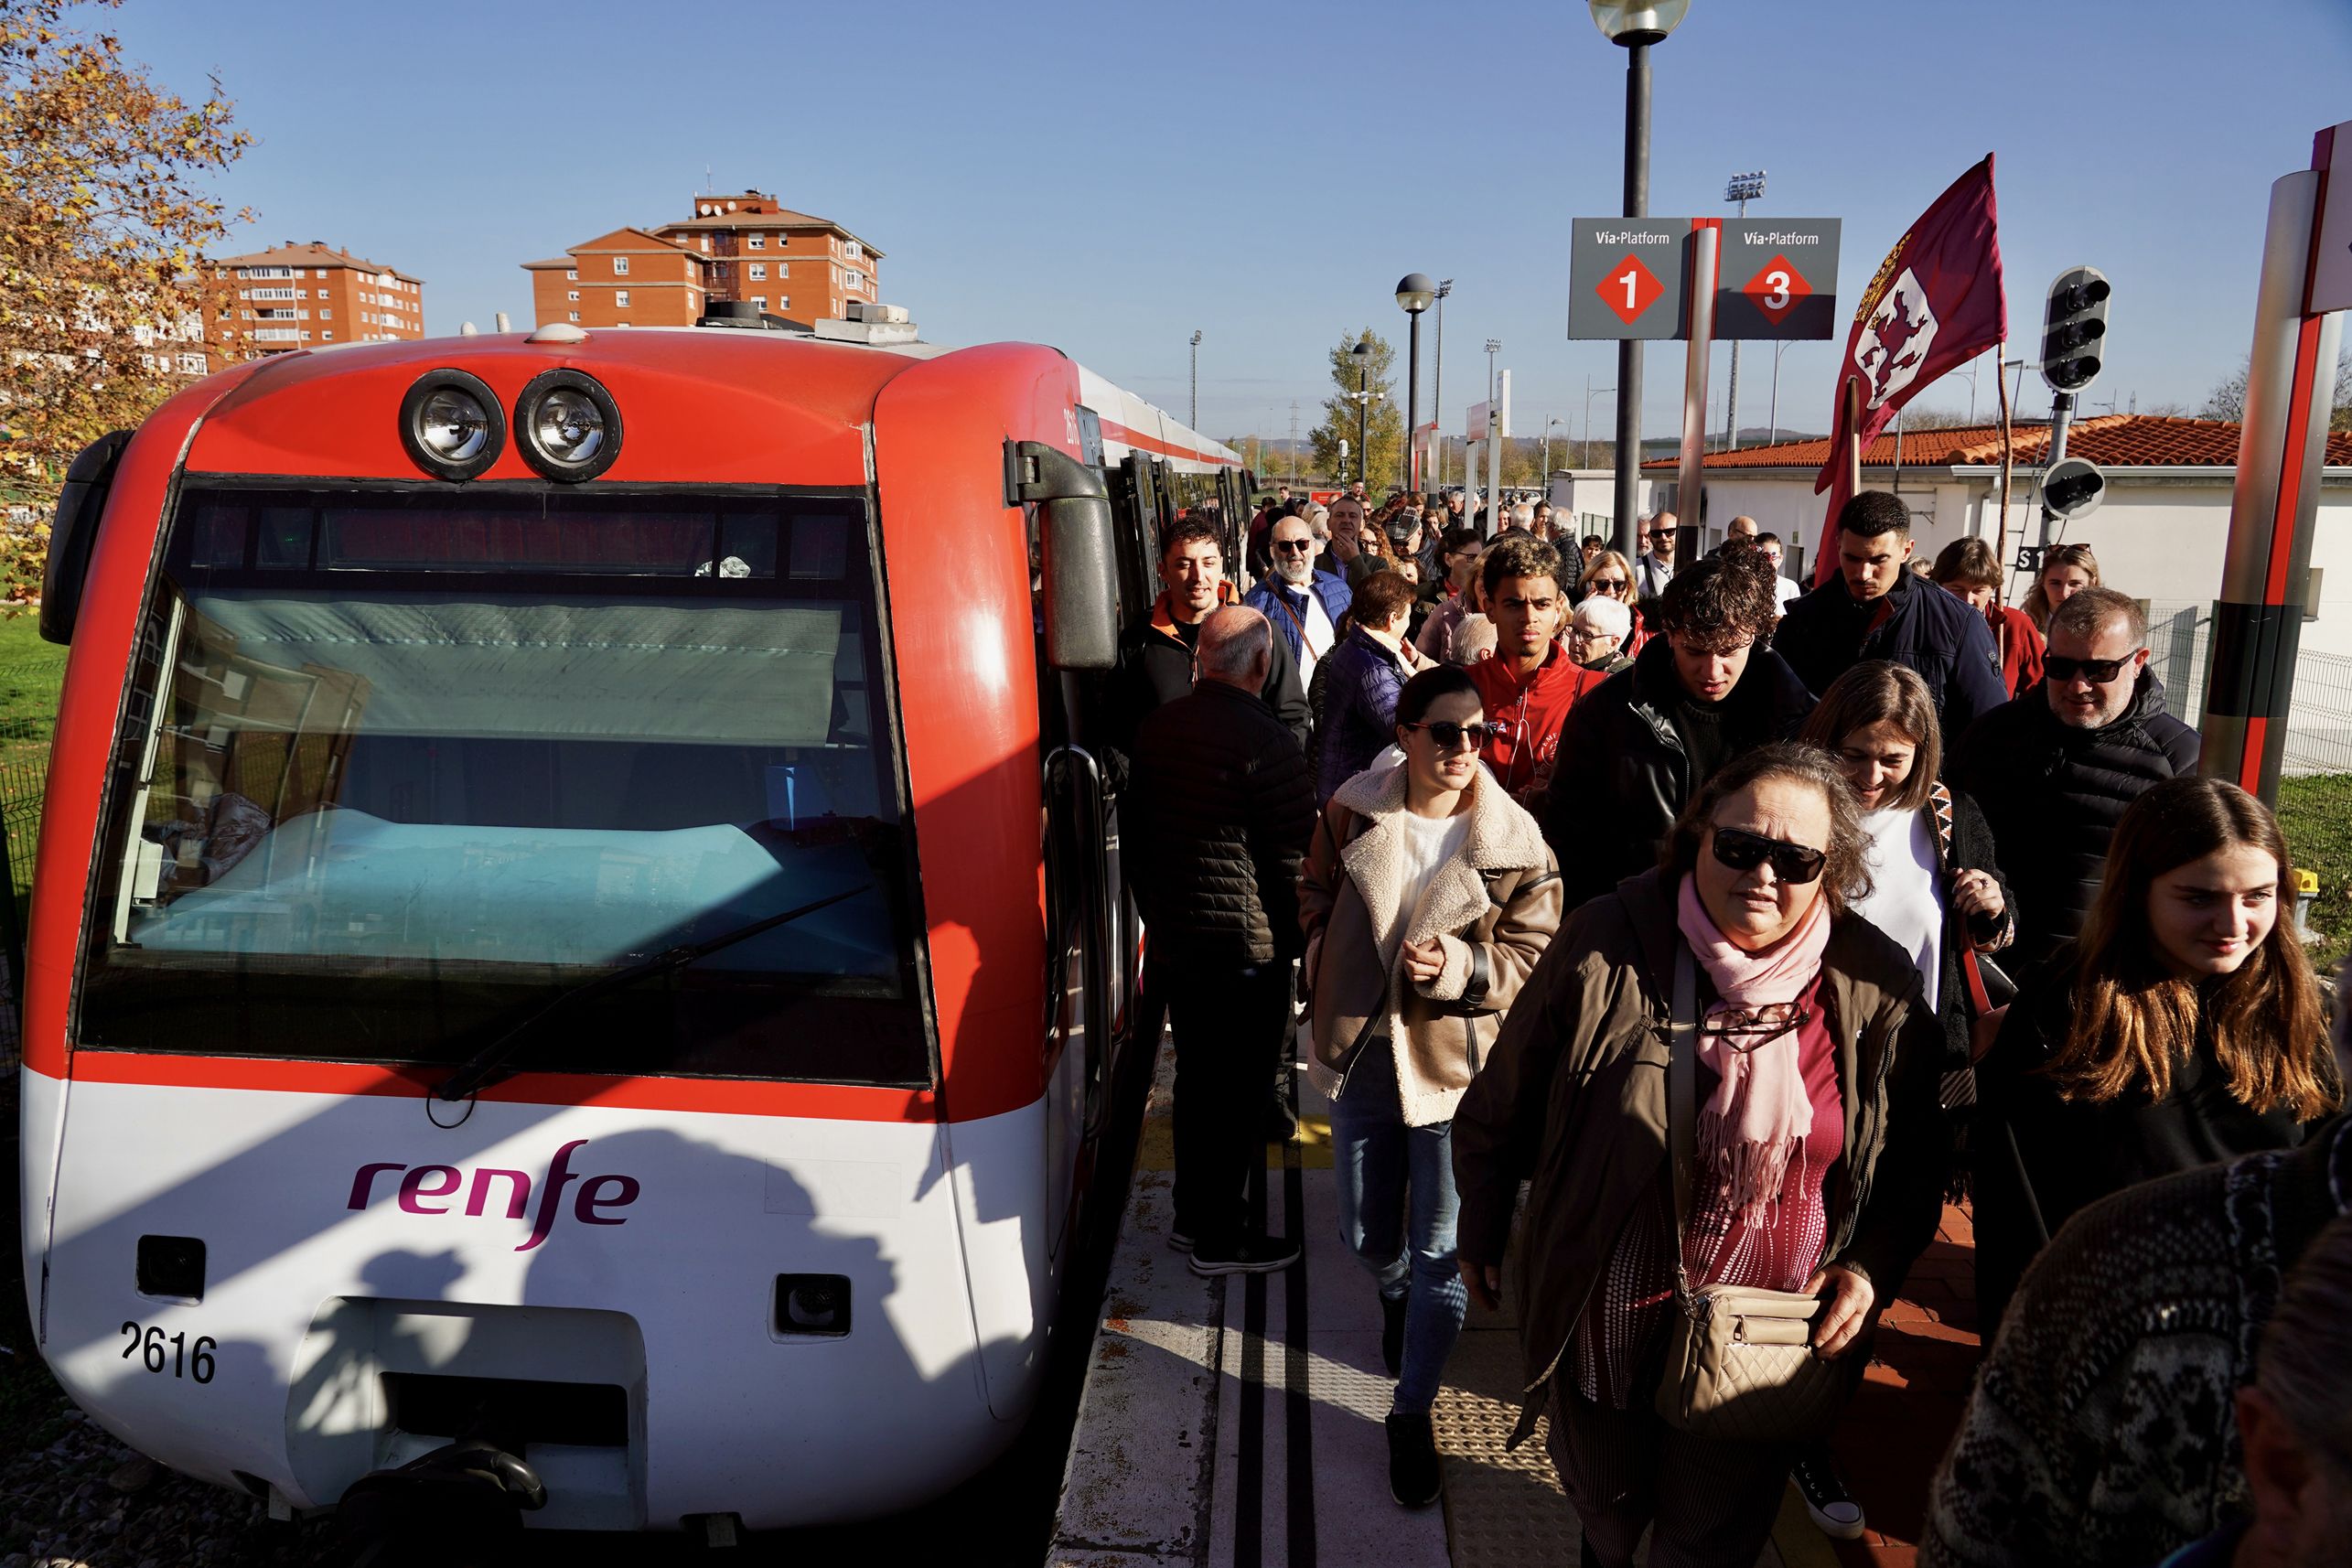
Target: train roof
x: 850, y: 371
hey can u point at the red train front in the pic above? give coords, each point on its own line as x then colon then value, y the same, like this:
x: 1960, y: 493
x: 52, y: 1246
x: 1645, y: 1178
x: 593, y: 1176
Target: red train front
x: 542, y: 926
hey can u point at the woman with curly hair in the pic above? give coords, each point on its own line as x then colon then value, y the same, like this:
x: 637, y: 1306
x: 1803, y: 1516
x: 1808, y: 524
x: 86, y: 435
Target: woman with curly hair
x: 1634, y: 750
x: 2182, y: 1029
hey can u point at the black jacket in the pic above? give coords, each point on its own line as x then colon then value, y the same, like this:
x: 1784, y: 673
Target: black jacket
x: 1221, y: 810
x: 1155, y: 669
x: 1932, y: 631
x: 2054, y: 793
x: 2039, y: 1158
x: 1623, y: 775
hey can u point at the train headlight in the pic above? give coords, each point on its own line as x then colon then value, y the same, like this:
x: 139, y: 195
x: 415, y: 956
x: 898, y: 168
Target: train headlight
x: 567, y: 425
x: 452, y: 425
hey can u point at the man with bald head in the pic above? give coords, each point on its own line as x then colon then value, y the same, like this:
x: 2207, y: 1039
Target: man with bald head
x: 1222, y: 806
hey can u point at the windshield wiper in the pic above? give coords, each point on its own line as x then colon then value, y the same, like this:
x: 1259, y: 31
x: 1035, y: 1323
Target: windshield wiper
x: 485, y: 1064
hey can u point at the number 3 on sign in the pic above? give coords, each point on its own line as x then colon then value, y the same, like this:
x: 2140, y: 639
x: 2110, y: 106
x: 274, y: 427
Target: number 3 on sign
x: 1777, y: 283
x: 1632, y: 281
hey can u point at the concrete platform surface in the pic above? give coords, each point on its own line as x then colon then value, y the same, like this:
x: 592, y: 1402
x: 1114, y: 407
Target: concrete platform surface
x: 1238, y: 1422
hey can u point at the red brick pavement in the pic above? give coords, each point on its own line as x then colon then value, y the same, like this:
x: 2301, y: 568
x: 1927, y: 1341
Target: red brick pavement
x: 1909, y: 1404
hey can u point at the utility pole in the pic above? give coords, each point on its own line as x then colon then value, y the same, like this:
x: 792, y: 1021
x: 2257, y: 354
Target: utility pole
x: 1743, y: 186
x: 1437, y: 382
x: 1294, y: 443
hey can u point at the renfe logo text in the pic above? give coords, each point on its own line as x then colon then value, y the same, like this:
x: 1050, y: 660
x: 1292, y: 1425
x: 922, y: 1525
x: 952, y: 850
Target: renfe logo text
x: 425, y: 1181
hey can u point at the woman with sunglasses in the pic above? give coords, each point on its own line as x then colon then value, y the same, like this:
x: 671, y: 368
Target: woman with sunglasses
x: 2183, y: 1029
x: 1427, y: 897
x: 1607, y: 574
x: 1819, y: 1155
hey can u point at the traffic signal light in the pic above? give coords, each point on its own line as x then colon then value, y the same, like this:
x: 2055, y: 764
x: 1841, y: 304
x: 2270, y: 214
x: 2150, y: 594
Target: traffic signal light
x: 2072, y: 487
x: 2073, y: 330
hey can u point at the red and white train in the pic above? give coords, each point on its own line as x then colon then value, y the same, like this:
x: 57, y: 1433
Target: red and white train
x: 575, y: 916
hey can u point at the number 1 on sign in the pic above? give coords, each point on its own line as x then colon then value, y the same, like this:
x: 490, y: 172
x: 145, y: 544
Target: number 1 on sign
x: 1632, y: 279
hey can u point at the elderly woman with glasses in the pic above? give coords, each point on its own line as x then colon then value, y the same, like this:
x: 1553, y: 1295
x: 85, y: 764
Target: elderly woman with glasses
x: 1428, y: 897
x: 1818, y: 1152
x: 1609, y: 575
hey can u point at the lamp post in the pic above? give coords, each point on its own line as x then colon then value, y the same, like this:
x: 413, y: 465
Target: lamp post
x: 1591, y: 391
x: 1544, y: 479
x: 1742, y: 188
x: 1416, y: 293
x: 1494, y: 440
x: 1634, y: 26
x: 1195, y: 420
x: 1437, y: 380
x: 1363, y: 352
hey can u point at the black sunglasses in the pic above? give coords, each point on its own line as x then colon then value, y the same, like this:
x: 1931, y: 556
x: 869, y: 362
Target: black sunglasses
x: 1791, y: 863
x: 1294, y: 546
x: 2098, y: 672
x: 1449, y: 736
x: 1661, y: 534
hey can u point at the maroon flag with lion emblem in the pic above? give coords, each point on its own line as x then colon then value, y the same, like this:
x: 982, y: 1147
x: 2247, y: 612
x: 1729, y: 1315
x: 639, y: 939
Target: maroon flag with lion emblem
x: 1935, y: 304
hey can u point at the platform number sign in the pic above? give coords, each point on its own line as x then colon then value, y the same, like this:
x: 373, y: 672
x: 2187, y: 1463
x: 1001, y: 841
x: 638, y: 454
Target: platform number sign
x: 1777, y: 278
x: 1626, y: 277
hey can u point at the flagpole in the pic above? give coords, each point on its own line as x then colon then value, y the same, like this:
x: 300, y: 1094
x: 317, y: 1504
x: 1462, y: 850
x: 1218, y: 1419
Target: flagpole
x: 2000, y: 529
x: 1854, y: 445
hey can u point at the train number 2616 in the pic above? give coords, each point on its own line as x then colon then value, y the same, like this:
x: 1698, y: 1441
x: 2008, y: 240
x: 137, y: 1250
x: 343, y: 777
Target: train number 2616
x: 173, y: 1352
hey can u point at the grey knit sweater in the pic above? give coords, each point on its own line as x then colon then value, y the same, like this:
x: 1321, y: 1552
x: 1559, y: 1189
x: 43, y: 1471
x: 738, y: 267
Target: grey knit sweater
x: 2101, y: 1431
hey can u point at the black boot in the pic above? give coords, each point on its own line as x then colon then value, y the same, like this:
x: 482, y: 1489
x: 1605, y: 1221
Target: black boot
x: 1413, y: 1476
x: 1392, y: 1333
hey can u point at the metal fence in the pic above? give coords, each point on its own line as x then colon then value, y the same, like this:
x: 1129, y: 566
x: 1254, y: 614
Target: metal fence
x: 2319, y: 724
x: 21, y: 784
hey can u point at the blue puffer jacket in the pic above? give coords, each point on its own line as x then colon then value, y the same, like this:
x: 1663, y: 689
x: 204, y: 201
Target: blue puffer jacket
x: 1286, y: 606
x: 1359, y: 710
x: 1825, y: 634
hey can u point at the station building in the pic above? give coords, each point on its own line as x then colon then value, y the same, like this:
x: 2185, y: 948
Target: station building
x: 305, y: 296
x: 743, y: 247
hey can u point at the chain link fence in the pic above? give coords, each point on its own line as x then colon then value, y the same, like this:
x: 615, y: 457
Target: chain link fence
x: 2319, y: 724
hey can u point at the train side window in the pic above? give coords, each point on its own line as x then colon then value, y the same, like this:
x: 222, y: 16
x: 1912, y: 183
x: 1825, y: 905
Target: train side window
x: 284, y: 538
x: 820, y: 548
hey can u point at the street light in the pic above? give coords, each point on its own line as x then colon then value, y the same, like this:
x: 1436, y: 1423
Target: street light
x: 1546, y: 479
x: 1591, y: 391
x: 1438, y: 379
x: 1742, y: 188
x: 1196, y: 379
x: 1634, y: 26
x: 1416, y: 293
x: 1363, y: 352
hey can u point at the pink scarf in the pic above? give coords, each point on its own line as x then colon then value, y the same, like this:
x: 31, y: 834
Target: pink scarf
x: 1760, y: 1114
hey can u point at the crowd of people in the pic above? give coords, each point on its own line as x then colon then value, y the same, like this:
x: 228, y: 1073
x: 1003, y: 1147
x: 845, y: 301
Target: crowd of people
x: 1740, y: 924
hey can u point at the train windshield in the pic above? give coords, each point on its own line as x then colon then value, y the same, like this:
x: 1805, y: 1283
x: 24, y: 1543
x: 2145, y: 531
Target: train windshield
x: 398, y: 767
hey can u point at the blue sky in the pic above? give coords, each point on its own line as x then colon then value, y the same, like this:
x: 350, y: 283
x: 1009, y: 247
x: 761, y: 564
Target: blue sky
x: 1109, y: 178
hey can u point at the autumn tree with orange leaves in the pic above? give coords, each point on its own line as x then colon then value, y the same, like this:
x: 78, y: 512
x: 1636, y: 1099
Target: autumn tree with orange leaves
x: 106, y: 215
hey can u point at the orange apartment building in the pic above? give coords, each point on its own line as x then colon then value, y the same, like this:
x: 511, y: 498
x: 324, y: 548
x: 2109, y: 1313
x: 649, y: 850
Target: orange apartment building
x: 739, y: 247
x: 305, y: 296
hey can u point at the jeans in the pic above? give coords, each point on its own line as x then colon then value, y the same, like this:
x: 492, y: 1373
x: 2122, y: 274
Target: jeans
x: 1397, y: 1209
x: 1229, y: 1025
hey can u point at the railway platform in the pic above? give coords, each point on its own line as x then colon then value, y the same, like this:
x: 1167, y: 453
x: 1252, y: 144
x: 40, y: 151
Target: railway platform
x: 1237, y: 1422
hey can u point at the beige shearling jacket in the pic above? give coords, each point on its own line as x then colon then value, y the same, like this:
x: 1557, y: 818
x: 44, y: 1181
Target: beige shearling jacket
x: 1493, y: 908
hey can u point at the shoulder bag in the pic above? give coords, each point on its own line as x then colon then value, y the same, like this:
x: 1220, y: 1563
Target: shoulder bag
x: 1740, y: 1366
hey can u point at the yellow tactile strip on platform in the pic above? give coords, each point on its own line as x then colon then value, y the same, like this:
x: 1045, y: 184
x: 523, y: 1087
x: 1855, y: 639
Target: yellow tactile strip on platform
x: 1504, y: 1509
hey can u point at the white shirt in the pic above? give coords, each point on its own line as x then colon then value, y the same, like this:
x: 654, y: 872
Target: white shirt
x: 1316, y: 636
x: 1651, y: 575
x: 1429, y: 843
x: 1905, y: 900
x: 1788, y: 592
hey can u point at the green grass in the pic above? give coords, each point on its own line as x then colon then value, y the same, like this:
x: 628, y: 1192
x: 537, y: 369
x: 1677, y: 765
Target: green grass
x: 31, y: 672
x: 2317, y: 816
